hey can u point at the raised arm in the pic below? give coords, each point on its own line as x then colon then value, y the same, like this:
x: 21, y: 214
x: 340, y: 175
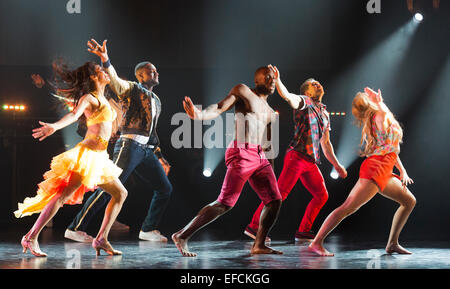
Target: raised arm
x: 377, y: 98
x: 213, y: 110
x: 295, y: 101
x: 328, y: 151
x: 118, y: 85
x: 48, y: 129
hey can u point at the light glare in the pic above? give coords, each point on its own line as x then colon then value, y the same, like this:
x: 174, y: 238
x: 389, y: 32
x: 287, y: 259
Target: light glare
x: 207, y: 172
x: 334, y: 175
x: 418, y: 17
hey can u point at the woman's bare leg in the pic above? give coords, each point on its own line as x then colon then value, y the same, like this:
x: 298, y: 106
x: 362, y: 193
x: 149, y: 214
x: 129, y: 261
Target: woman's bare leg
x: 362, y: 192
x: 51, y: 209
x: 396, y: 192
x: 118, y: 195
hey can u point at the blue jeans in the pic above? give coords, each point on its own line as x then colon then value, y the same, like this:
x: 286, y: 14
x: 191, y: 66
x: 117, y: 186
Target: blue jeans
x: 130, y: 156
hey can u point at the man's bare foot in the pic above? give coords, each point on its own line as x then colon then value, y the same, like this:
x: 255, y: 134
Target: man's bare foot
x: 319, y: 250
x: 392, y: 248
x: 264, y: 250
x: 182, y: 246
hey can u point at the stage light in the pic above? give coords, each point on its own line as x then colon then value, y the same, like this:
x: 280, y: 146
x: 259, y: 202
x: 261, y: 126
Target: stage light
x: 333, y: 113
x: 18, y: 107
x: 207, y: 172
x: 334, y: 174
x: 418, y: 17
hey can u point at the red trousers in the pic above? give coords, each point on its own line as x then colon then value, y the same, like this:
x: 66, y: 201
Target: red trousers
x: 247, y: 162
x: 297, y: 166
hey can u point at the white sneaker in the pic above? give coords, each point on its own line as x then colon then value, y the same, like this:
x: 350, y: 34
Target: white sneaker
x: 78, y: 236
x: 119, y: 227
x: 154, y: 235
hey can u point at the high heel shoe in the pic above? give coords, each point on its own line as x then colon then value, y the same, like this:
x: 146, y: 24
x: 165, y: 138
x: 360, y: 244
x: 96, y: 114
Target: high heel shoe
x: 102, y: 244
x: 33, y: 246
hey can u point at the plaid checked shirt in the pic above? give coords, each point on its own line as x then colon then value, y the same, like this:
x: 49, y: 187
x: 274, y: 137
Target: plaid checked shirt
x: 311, y: 121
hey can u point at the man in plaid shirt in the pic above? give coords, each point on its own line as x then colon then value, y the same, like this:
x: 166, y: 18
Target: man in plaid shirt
x: 312, y: 131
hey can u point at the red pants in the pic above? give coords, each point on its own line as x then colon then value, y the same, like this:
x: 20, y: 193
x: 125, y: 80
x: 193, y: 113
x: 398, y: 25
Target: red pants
x: 246, y: 162
x: 296, y: 166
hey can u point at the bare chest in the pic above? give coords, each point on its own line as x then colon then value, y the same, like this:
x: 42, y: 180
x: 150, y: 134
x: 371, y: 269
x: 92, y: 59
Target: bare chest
x: 256, y: 109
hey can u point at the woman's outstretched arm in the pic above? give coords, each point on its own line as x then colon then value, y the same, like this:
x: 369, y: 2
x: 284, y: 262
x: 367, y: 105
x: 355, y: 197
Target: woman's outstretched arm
x: 47, y: 129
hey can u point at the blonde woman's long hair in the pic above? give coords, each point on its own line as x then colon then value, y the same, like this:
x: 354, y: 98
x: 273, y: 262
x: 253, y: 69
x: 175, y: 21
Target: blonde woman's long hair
x: 363, y: 109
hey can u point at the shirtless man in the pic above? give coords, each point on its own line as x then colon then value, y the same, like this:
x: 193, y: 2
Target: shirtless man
x: 244, y: 158
x: 312, y: 133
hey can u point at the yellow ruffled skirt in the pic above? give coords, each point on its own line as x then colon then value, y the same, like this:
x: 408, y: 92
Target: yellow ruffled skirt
x: 94, y: 166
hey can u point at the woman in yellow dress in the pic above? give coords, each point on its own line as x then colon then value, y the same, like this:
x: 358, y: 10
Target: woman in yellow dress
x: 82, y: 168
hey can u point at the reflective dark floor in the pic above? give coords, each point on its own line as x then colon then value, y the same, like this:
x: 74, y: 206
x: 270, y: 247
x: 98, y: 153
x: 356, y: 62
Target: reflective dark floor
x: 216, y: 255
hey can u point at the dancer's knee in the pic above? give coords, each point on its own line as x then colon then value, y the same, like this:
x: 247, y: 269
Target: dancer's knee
x: 122, y: 195
x: 322, y: 198
x: 220, y: 207
x: 61, y: 200
x: 350, y: 210
x: 284, y: 194
x: 346, y: 210
x: 410, y: 203
x: 275, y: 204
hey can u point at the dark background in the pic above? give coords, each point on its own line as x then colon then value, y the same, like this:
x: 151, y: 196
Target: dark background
x: 204, y: 48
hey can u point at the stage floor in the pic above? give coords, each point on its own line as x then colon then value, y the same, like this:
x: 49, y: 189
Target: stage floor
x: 215, y: 254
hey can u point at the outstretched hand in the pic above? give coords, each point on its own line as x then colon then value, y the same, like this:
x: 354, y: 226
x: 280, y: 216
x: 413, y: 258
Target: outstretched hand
x: 47, y: 129
x: 191, y: 110
x: 38, y: 81
x: 100, y: 51
x: 374, y: 96
x: 275, y: 71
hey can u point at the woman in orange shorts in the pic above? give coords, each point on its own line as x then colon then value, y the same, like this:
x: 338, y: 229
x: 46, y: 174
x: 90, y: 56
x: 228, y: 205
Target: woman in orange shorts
x: 82, y: 168
x: 382, y: 136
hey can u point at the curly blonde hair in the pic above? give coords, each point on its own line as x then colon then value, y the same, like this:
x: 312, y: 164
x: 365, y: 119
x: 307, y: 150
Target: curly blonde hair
x: 364, y: 110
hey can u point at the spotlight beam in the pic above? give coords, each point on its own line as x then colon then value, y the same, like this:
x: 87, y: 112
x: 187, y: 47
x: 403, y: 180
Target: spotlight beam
x: 387, y: 56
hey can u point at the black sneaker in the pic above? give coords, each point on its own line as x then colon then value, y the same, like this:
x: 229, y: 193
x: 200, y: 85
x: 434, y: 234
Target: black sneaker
x: 304, y: 236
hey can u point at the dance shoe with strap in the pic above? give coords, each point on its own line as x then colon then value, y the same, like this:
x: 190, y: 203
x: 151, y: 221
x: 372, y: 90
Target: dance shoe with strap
x: 33, y: 246
x: 102, y: 244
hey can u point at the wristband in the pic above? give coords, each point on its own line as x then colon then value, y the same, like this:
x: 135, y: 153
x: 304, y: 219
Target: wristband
x: 106, y: 64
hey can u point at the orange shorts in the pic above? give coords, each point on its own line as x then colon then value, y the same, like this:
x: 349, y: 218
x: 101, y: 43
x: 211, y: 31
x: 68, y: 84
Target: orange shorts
x: 379, y: 169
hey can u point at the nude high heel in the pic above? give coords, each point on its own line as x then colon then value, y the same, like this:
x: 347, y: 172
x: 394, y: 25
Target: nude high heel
x: 102, y: 244
x: 34, y: 249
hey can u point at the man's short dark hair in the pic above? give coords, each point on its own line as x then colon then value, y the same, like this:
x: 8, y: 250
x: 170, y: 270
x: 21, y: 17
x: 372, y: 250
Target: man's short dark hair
x: 262, y: 69
x: 139, y: 66
x: 305, y: 85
